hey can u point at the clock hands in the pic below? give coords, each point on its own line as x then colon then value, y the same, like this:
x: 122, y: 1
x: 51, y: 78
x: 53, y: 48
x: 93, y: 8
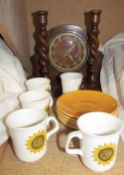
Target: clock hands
x: 73, y: 53
x: 69, y: 51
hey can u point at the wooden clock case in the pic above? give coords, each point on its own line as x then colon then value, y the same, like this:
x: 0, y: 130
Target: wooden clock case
x: 90, y: 68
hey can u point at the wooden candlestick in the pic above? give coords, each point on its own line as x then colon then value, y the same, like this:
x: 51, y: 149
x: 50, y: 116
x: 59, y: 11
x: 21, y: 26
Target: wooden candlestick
x: 95, y: 57
x: 43, y: 47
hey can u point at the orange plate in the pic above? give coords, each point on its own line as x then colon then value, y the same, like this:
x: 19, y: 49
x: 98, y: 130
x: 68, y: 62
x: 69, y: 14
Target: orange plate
x: 67, y: 122
x: 66, y: 118
x: 82, y: 101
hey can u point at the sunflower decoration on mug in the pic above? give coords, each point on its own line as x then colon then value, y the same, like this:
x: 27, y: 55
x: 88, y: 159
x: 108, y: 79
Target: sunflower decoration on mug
x: 47, y: 109
x: 104, y: 154
x: 36, y: 142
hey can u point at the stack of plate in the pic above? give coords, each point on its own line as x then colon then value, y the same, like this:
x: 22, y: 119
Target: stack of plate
x: 71, y: 105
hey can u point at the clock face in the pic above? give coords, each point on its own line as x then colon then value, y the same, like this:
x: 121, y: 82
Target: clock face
x: 67, y: 52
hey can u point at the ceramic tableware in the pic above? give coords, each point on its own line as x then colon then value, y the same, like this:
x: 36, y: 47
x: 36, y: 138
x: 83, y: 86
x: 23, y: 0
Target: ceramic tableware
x: 71, y: 105
x: 71, y: 81
x: 98, y: 133
x: 28, y: 130
x: 36, y: 99
x: 39, y: 83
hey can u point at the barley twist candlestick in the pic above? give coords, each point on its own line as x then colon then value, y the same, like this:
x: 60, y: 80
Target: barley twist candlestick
x: 95, y: 56
x: 43, y: 47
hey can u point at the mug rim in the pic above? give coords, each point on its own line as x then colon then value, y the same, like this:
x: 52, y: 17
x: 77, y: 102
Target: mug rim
x: 37, y: 80
x: 103, y: 113
x: 25, y: 96
x: 77, y: 75
x: 21, y: 128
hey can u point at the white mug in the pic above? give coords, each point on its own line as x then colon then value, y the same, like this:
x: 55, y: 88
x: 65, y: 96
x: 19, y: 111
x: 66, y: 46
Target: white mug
x: 28, y: 130
x: 36, y: 99
x: 71, y: 81
x: 99, y: 134
x: 39, y: 83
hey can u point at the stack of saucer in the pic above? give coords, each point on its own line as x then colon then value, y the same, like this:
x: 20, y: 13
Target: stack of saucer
x: 67, y: 119
x: 71, y: 105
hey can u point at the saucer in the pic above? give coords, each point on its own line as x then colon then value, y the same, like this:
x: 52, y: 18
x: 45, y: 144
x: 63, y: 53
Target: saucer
x: 70, y: 106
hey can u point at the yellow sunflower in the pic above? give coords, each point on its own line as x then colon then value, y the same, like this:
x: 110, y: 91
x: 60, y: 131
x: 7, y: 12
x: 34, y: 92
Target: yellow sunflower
x: 47, y: 109
x: 104, y: 154
x: 36, y: 142
x: 48, y: 89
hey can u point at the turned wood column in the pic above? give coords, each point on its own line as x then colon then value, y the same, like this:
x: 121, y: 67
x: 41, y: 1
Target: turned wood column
x: 42, y: 46
x: 95, y: 57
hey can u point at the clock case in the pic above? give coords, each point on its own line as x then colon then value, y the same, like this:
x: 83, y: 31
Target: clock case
x: 68, y: 49
x: 41, y: 61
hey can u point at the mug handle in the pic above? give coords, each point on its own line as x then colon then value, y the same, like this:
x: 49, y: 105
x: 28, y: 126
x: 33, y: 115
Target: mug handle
x: 51, y: 100
x: 56, y: 127
x: 69, y: 138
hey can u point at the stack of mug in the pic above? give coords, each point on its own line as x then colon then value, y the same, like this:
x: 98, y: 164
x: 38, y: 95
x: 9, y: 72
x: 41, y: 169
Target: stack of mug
x: 29, y: 125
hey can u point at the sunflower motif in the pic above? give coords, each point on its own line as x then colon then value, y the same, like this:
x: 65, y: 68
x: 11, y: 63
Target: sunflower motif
x: 48, y: 89
x: 36, y: 142
x: 104, y: 154
x: 47, y: 109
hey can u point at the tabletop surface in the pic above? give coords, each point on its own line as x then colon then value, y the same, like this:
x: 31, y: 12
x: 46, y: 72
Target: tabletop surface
x: 56, y: 161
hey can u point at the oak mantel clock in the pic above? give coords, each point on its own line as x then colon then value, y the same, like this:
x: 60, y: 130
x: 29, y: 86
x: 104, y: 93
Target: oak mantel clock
x: 67, y: 48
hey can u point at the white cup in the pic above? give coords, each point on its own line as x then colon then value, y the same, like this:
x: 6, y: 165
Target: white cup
x: 39, y: 83
x: 99, y: 134
x: 28, y: 130
x: 36, y: 99
x: 71, y: 81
